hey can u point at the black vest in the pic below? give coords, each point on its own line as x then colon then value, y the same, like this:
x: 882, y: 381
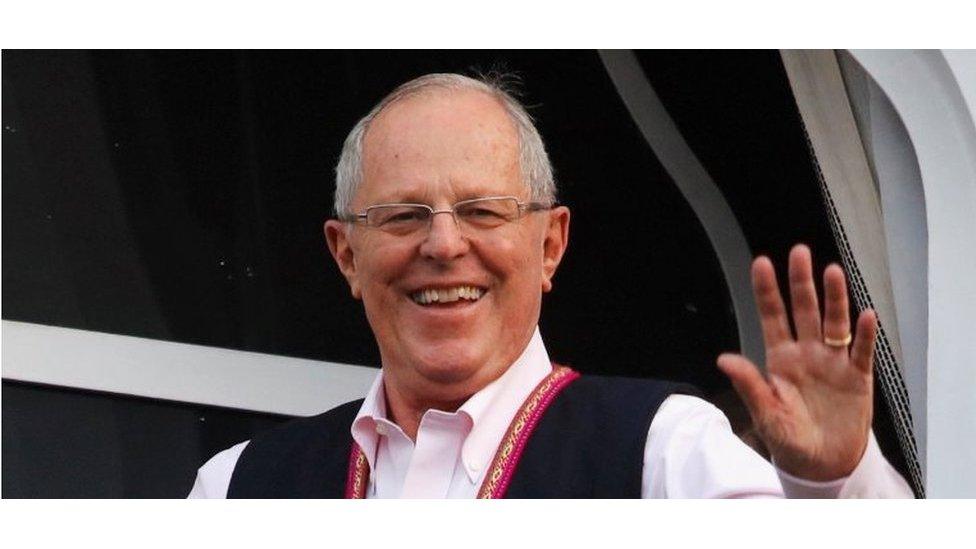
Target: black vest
x: 589, y: 443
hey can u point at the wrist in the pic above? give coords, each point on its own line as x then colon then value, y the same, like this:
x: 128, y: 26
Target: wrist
x: 824, y: 468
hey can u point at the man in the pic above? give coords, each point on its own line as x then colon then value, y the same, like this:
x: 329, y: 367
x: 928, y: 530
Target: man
x: 449, y: 233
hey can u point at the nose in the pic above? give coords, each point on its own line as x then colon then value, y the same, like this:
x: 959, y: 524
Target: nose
x: 444, y: 239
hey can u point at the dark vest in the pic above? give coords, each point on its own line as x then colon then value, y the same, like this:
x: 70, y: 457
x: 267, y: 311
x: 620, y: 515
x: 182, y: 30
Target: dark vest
x: 589, y: 443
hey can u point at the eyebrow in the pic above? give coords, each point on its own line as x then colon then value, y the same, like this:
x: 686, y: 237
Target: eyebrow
x: 403, y: 199
x: 416, y: 197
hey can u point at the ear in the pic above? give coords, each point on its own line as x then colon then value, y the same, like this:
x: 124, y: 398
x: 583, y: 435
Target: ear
x: 337, y: 236
x: 554, y: 245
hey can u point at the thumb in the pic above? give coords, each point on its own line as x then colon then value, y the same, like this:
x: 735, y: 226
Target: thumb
x: 754, y: 390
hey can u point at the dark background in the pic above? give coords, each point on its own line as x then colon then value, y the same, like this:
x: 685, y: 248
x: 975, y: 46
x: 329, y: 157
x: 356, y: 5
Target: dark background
x: 180, y: 196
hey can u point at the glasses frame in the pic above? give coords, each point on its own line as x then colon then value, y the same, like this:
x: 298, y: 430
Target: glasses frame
x: 523, y: 207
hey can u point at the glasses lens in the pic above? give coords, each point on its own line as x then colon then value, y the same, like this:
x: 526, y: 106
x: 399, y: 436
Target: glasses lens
x: 486, y: 213
x: 398, y: 219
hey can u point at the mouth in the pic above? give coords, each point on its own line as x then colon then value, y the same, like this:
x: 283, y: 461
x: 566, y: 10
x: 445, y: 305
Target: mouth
x: 442, y: 296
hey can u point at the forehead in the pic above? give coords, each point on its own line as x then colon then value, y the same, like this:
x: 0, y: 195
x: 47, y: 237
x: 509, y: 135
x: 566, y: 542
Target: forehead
x: 460, y: 143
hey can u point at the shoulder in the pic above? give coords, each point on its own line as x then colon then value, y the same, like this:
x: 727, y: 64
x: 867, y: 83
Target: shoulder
x: 305, y: 457
x: 692, y: 452
x: 613, y: 390
x: 687, y: 417
x: 684, y: 408
x: 213, y: 477
x: 615, y: 407
x: 306, y: 433
x: 642, y: 383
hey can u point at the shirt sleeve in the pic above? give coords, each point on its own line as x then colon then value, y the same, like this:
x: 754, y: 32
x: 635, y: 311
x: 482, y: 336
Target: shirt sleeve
x: 691, y: 452
x: 213, y: 478
x: 873, y: 477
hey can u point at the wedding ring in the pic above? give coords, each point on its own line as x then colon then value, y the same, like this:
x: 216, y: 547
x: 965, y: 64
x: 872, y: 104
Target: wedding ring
x: 842, y: 342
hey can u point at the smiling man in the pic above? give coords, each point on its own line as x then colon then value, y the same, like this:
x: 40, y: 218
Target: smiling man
x: 453, y: 297
x: 448, y: 231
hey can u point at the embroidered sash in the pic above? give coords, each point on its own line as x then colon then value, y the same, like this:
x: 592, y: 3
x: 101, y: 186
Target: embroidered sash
x: 509, y: 451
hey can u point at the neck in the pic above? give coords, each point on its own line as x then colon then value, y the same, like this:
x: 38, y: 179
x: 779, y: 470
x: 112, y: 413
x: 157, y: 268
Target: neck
x: 409, y: 394
x: 407, y: 412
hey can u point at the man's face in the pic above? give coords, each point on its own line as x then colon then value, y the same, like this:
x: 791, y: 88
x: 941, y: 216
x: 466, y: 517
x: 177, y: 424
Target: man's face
x: 437, y: 148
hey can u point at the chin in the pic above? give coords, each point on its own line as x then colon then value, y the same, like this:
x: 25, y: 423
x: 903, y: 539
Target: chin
x: 449, y: 363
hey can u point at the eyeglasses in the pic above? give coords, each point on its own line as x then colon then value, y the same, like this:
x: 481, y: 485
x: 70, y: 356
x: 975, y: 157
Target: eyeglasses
x: 471, y: 216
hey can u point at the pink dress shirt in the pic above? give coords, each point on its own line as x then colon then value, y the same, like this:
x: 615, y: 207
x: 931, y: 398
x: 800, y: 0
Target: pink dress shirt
x: 691, y: 451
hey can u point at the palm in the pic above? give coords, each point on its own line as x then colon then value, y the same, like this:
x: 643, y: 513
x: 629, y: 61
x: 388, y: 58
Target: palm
x: 813, y: 409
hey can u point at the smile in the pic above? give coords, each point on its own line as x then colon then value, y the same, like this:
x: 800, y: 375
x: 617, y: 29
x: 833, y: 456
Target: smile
x: 447, y: 295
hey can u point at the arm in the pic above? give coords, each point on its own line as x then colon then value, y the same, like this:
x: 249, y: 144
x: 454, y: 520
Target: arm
x: 691, y: 452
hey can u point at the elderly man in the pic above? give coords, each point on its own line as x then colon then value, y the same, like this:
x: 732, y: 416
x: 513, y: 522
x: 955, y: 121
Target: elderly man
x: 449, y: 233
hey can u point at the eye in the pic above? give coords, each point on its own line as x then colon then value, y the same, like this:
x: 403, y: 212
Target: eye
x: 401, y: 217
x: 480, y: 212
x: 397, y: 216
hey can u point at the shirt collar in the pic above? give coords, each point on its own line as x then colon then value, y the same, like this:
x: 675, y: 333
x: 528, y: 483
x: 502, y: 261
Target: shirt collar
x: 364, y: 426
x: 490, y: 410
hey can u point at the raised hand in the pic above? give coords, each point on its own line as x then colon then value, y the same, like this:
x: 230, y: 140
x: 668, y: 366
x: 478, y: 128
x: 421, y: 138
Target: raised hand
x: 813, y: 408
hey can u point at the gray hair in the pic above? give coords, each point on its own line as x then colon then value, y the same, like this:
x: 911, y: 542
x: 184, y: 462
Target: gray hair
x: 533, y: 160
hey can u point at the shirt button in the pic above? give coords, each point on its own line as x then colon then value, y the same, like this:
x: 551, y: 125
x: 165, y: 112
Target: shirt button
x: 474, y: 466
x: 382, y: 430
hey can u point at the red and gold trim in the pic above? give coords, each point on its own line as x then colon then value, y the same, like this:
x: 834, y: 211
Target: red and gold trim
x: 358, y: 474
x: 509, y: 451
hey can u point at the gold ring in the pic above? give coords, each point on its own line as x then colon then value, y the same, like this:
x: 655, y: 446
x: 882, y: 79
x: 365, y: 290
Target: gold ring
x: 842, y: 342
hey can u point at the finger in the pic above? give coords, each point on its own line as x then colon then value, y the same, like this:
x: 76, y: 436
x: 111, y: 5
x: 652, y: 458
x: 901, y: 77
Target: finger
x: 862, y: 351
x: 803, y: 294
x: 837, y: 320
x: 748, y: 382
x: 772, y: 312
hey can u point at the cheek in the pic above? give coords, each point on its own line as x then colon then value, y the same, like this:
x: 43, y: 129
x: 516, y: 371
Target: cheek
x: 516, y: 263
x: 383, y: 253
x: 382, y: 267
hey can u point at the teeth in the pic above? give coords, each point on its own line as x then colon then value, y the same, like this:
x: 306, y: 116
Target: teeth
x: 447, y: 295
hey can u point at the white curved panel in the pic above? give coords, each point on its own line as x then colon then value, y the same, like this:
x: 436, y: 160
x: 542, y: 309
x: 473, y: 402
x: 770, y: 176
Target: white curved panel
x: 895, y: 165
x: 178, y: 371
x: 698, y: 188
x: 933, y: 94
x: 854, y: 207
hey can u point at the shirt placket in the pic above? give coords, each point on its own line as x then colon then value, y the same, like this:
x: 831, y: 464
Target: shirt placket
x: 394, y: 452
x: 435, y: 455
